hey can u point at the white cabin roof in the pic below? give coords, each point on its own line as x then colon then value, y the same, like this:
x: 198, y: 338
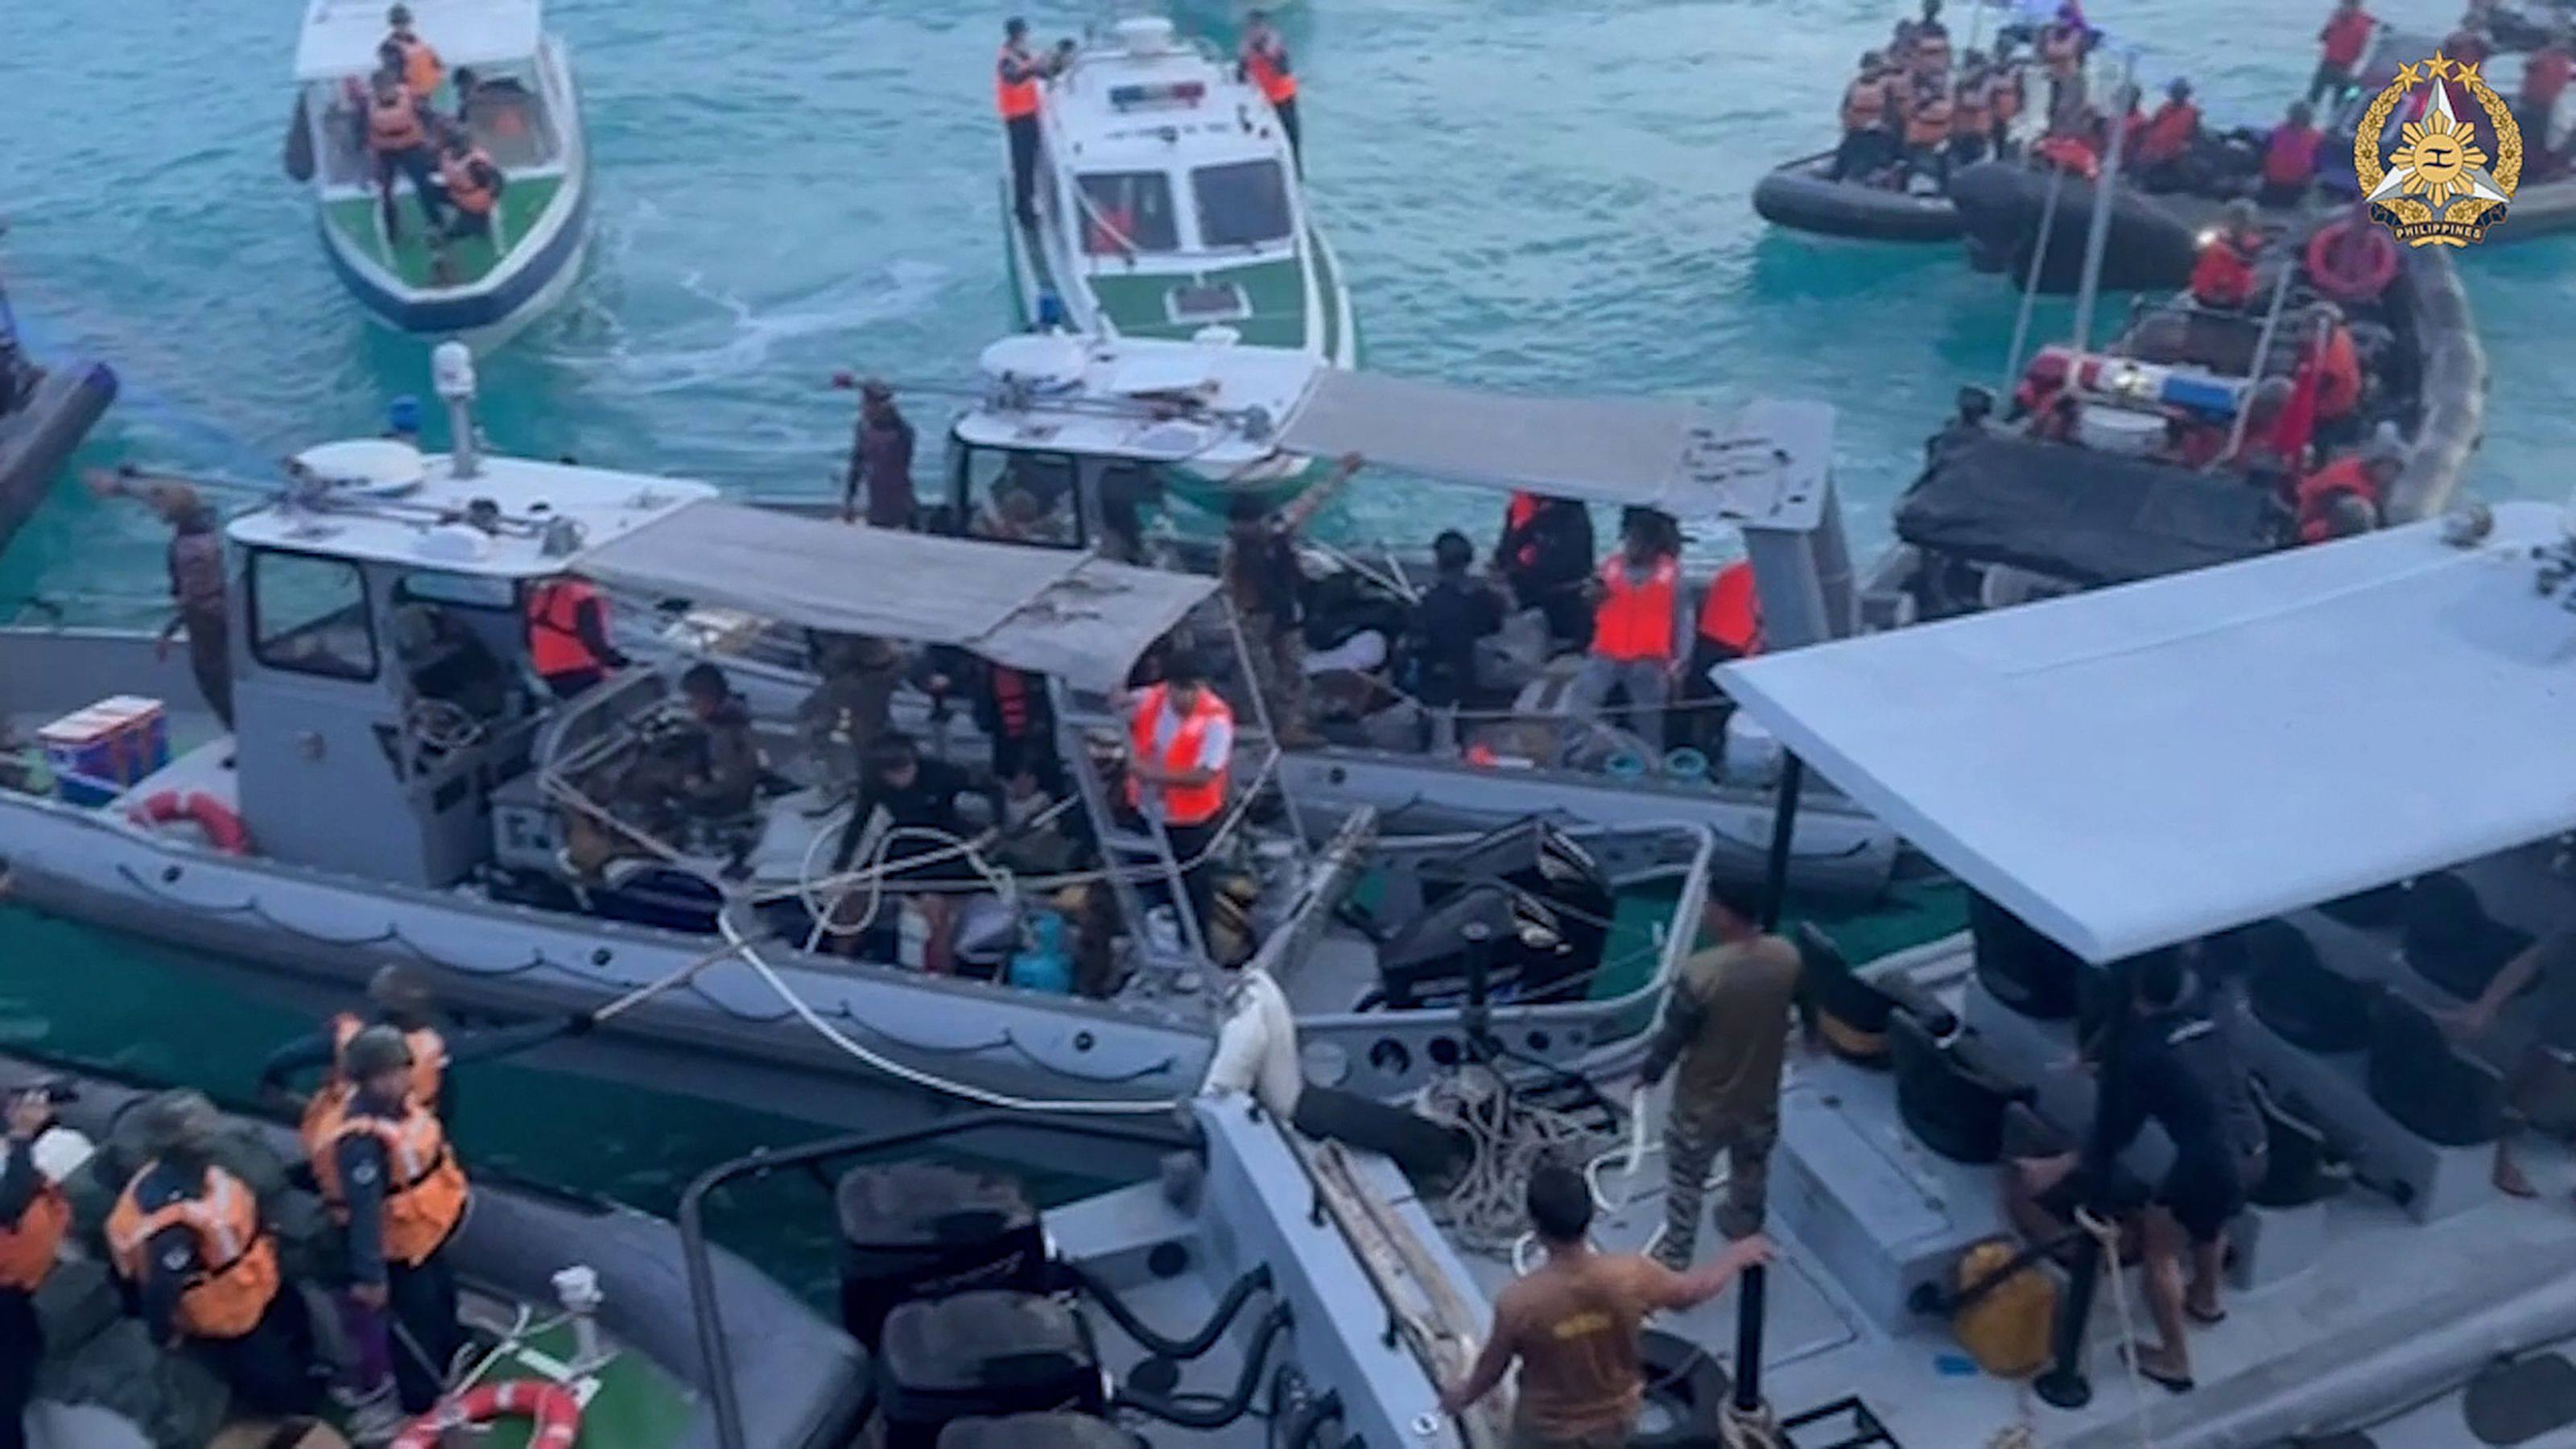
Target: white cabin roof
x: 2138, y: 766
x: 1147, y: 399
x: 340, y: 36
x: 1229, y: 122
x: 404, y: 507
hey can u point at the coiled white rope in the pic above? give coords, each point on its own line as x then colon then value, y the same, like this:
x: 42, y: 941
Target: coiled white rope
x: 1485, y: 1208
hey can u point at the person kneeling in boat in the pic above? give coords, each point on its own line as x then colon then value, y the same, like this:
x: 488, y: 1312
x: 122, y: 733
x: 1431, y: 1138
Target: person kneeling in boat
x: 2368, y: 475
x: 1640, y: 617
x: 1575, y: 1324
x: 474, y: 185
x: 2222, y: 276
x: 388, y: 1174
x: 1871, y: 105
x: 2290, y: 158
x: 188, y: 1242
x: 398, y: 138
x: 2165, y: 141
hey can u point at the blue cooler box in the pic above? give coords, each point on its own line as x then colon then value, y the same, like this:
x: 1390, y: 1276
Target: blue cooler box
x: 98, y: 753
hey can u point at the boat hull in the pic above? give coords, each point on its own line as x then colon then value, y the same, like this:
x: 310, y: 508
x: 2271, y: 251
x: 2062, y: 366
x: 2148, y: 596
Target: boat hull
x: 490, y: 312
x: 37, y: 438
x: 1799, y: 195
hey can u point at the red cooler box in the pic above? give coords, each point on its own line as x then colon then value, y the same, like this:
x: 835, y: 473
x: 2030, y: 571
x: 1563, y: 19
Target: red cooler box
x: 98, y: 753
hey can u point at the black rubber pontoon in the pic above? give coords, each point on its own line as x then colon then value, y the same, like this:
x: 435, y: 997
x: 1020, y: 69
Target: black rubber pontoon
x: 39, y: 433
x: 1802, y: 195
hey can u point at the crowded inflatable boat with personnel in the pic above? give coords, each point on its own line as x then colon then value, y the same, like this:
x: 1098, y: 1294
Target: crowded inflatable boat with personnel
x: 570, y: 1319
x: 2177, y: 175
x: 421, y: 743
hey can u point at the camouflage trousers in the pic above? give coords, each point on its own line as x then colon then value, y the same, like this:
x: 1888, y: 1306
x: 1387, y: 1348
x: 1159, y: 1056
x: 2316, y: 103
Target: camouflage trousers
x: 1693, y: 1137
x: 1279, y: 672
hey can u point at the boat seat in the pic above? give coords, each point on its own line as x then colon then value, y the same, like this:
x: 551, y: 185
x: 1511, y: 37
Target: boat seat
x: 2450, y: 940
x: 2292, y: 991
x: 2023, y: 969
x: 2298, y: 1166
x: 1950, y: 1099
x: 2431, y: 1088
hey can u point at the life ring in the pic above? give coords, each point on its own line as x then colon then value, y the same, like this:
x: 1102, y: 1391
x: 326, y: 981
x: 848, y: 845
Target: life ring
x: 2379, y: 269
x: 222, y: 826
x: 557, y: 1414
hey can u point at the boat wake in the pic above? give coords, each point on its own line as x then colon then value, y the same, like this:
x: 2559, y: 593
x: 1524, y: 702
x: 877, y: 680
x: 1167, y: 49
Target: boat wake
x: 753, y: 334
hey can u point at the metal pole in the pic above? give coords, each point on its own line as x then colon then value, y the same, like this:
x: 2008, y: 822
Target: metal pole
x: 2099, y: 236
x: 1749, y: 1290
x: 2254, y: 379
x: 2030, y: 284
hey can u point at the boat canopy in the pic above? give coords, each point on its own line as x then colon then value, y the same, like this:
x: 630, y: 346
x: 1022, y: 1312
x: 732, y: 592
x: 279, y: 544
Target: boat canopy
x: 1081, y: 619
x: 341, y: 36
x: 2135, y: 767
x: 1767, y: 461
x: 2014, y: 500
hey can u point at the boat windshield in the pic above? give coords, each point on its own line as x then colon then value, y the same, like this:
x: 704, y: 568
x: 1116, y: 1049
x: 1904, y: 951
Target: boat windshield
x: 1244, y: 204
x: 1126, y: 212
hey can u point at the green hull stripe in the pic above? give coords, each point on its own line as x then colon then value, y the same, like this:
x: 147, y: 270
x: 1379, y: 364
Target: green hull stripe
x: 523, y: 204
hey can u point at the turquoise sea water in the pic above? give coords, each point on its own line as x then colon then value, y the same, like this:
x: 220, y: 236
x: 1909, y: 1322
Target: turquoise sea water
x: 1545, y: 194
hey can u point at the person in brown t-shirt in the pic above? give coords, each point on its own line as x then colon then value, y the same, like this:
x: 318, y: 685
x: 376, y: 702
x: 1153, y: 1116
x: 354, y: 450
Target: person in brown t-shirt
x: 1573, y: 1324
x: 1727, y: 1024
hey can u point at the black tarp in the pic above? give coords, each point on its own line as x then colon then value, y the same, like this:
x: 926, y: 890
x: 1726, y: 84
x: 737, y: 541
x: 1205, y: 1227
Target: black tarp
x: 2089, y: 518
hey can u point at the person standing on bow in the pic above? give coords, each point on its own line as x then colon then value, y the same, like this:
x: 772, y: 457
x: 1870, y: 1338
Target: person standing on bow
x: 1016, y: 77
x: 1264, y: 62
x: 2341, y: 44
x: 880, y: 462
x: 195, y: 563
x: 1726, y: 1026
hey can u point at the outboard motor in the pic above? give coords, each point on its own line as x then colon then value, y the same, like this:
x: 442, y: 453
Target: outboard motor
x: 1544, y: 905
x: 982, y: 1354
x: 916, y: 1230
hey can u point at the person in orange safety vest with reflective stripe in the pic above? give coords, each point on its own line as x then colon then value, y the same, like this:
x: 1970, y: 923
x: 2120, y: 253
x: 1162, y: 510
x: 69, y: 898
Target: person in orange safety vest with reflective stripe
x: 568, y: 635
x: 1180, y: 738
x: 1638, y: 624
x: 187, y: 1236
x: 474, y: 185
x: 389, y: 1175
x: 1265, y: 64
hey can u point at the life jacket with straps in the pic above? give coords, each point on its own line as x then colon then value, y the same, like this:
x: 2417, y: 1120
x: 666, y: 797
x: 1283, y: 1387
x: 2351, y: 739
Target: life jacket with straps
x: 555, y: 645
x: 425, y: 1189
x: 393, y: 121
x: 2316, y: 492
x: 1516, y: 516
x: 1927, y: 121
x: 1266, y: 66
x: 2338, y: 375
x: 28, y: 1246
x: 465, y: 188
x: 2168, y: 133
x: 236, y: 1277
x: 1015, y: 98
x: 322, y: 1114
x: 1634, y: 621
x: 422, y: 69
x: 2290, y: 156
x: 2072, y: 154
x: 1730, y: 616
x: 2346, y: 36
x: 1182, y: 804
x: 2223, y: 275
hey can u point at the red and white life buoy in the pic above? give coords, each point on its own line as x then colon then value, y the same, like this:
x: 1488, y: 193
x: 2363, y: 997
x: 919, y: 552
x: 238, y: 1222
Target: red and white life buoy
x: 223, y: 827
x: 557, y: 1414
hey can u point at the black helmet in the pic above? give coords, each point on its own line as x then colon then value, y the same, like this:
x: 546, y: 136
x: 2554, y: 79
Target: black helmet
x: 180, y: 1121
x: 375, y: 1051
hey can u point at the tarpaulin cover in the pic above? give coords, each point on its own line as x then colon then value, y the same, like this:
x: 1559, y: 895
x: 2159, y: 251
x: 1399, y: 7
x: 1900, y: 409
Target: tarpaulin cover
x: 2083, y: 516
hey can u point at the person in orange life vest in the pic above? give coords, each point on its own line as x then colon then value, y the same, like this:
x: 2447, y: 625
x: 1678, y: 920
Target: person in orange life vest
x: 400, y: 997
x: 2366, y: 475
x: 2070, y: 151
x: 2351, y: 259
x: 1545, y: 555
x: 2342, y: 43
x: 1180, y: 745
x: 2163, y: 145
x: 1265, y: 64
x: 2339, y: 376
x: 1016, y: 76
x: 1872, y: 104
x: 191, y: 1249
x: 391, y: 1178
x: 2222, y: 278
x: 2290, y: 158
x: 398, y: 139
x: 421, y: 68
x: 1640, y: 618
x: 1927, y: 127
x: 473, y: 184
x: 34, y: 1218
x: 568, y: 635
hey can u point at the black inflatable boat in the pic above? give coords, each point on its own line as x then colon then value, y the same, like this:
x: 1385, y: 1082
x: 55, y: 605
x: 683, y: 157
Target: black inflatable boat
x: 44, y: 414
x: 1803, y: 195
x: 800, y: 1383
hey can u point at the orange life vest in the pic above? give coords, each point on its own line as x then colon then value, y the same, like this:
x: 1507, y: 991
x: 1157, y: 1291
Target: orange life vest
x: 422, y: 70
x: 425, y: 1191
x: 236, y: 1263
x: 2069, y: 153
x: 27, y: 1248
x: 2316, y: 492
x: 1015, y: 98
x: 2338, y: 376
x: 1261, y: 64
x: 2223, y: 276
x: 1865, y: 104
x: 1928, y: 123
x: 1731, y: 614
x: 1182, y: 804
x: 2346, y: 36
x: 393, y: 121
x: 2168, y: 134
x: 467, y: 194
x: 2290, y: 156
x: 555, y: 644
x: 1634, y: 622
x: 322, y: 1115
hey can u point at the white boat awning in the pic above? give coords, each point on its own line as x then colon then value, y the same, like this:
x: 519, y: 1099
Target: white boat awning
x: 2142, y: 765
x: 1768, y: 460
x: 1079, y: 618
x: 341, y: 36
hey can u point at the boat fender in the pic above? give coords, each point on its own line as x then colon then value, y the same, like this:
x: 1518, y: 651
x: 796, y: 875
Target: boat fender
x: 1256, y: 1047
x: 223, y: 827
x: 299, y: 144
x: 2004, y: 1308
x: 557, y: 1414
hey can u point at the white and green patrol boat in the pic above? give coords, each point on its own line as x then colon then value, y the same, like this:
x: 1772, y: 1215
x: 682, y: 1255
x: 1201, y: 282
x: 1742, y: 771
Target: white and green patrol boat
x: 520, y: 106
x: 1169, y: 204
